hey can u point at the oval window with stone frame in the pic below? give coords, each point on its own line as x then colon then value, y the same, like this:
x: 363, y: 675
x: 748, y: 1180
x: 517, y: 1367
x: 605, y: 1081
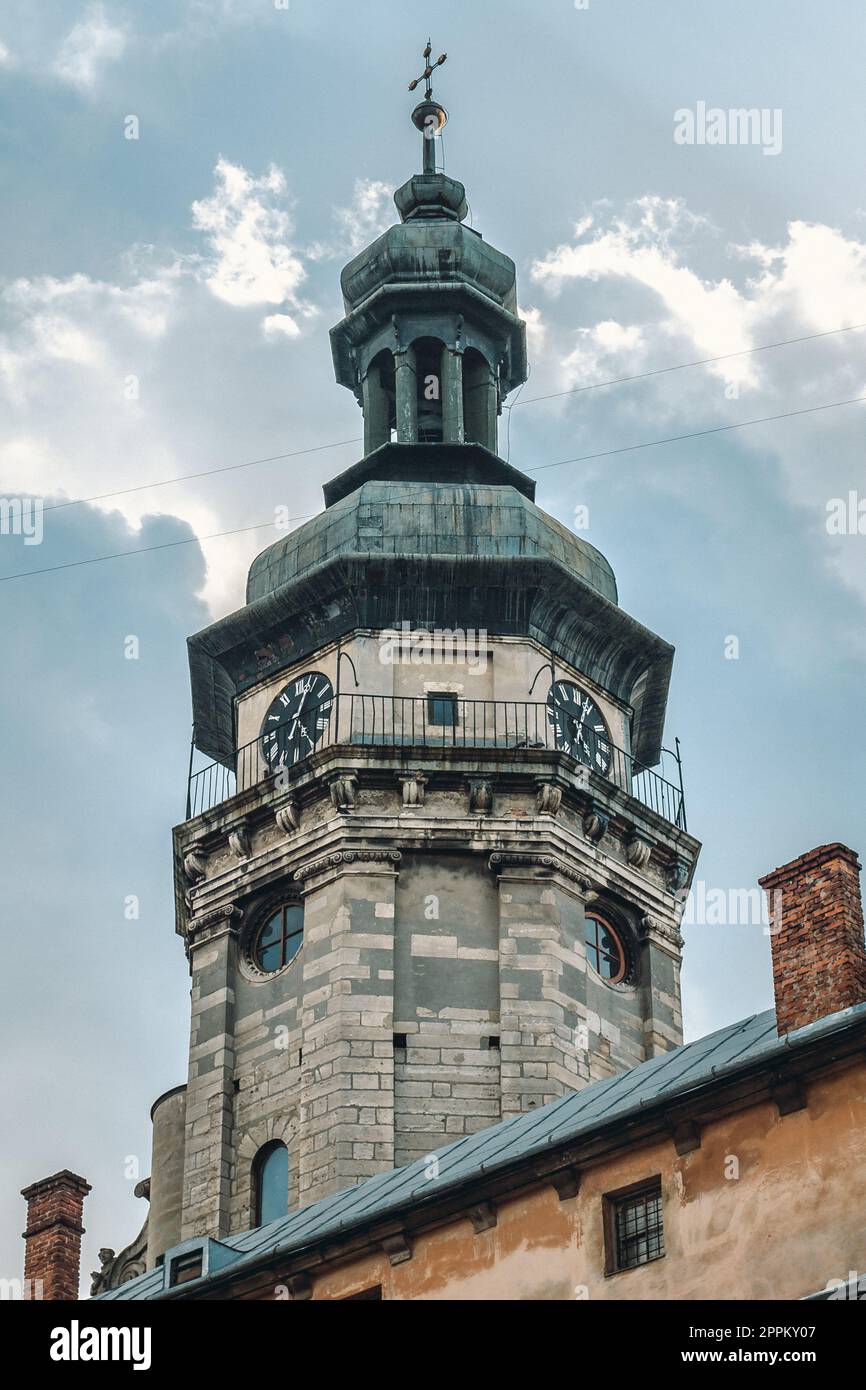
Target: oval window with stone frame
x: 604, y: 949
x: 279, y: 938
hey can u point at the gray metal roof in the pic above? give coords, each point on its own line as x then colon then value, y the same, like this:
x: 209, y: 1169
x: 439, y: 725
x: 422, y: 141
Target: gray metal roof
x: 574, y: 1116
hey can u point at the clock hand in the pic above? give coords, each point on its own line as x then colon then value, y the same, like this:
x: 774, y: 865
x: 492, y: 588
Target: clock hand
x: 308, y: 687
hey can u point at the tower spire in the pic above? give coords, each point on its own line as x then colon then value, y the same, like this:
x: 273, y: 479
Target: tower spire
x: 429, y: 116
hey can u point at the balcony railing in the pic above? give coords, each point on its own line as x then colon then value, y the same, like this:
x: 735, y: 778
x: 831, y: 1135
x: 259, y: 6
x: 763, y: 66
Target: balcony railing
x: 431, y: 722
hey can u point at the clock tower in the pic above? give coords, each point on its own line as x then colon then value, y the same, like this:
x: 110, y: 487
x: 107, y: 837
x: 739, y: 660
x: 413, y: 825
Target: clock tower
x: 431, y: 870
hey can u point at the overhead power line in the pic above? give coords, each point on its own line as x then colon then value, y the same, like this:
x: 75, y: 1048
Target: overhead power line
x: 682, y: 366
x: 204, y: 473
x: 532, y: 400
x: 560, y: 463
x: 696, y: 434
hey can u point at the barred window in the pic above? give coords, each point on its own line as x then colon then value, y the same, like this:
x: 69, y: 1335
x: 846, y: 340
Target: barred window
x: 635, y: 1227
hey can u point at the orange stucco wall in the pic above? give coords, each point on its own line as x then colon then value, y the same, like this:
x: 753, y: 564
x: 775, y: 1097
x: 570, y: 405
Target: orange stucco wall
x: 789, y: 1222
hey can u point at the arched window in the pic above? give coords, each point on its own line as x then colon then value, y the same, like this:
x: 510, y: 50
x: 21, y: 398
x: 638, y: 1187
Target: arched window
x: 428, y: 376
x: 270, y: 1183
x: 479, y: 402
x: 604, y: 949
x: 279, y: 938
x: 380, y: 401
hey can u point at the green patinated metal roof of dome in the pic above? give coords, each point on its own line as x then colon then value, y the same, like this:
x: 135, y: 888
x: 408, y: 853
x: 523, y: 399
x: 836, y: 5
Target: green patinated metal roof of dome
x: 426, y: 519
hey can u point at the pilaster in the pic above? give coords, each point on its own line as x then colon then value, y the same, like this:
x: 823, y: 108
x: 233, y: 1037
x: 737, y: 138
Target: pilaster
x: 347, y: 1069
x: 210, y: 1085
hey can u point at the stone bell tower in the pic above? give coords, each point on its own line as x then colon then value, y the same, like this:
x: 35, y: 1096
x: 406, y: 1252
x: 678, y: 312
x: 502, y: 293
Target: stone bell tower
x: 430, y: 876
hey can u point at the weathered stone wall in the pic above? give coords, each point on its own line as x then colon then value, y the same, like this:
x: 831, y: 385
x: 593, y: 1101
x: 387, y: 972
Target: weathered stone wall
x: 447, y: 1077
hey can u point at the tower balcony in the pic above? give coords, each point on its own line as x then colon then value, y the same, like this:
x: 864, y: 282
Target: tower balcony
x: 437, y: 727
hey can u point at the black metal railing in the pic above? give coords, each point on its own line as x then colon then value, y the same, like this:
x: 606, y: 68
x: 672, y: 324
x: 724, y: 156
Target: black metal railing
x: 433, y: 722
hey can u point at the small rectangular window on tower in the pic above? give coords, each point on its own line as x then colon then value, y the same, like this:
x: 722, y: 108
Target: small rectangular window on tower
x: 442, y: 710
x: 634, y: 1229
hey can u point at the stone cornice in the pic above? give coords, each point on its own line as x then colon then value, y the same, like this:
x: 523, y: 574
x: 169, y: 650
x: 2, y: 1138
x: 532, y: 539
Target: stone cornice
x: 517, y: 859
x: 345, y: 859
x: 214, y: 923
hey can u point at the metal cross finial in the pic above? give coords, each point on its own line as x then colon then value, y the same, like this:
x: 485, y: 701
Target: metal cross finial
x: 427, y: 74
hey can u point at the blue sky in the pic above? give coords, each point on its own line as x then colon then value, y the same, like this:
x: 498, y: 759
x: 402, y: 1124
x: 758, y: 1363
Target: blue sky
x: 164, y: 309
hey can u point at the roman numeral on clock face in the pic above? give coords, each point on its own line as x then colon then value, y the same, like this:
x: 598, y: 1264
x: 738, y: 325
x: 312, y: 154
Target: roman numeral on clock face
x: 297, y: 719
x: 578, y: 726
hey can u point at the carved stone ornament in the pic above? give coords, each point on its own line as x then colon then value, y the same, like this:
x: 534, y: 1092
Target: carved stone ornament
x: 344, y: 790
x: 390, y: 857
x: 239, y: 840
x: 215, y: 918
x: 288, y: 815
x: 194, y: 863
x: 548, y: 799
x: 638, y: 851
x: 595, y: 822
x: 414, y: 785
x: 656, y: 927
x: 517, y: 860
x: 480, y: 796
x: 677, y: 875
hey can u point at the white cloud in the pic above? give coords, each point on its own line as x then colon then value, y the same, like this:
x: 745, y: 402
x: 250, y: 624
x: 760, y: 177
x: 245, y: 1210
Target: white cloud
x: 248, y: 231
x: 101, y: 380
x: 90, y: 45
x: 370, y: 213
x: 6, y: 58
x: 280, y: 326
x: 672, y: 310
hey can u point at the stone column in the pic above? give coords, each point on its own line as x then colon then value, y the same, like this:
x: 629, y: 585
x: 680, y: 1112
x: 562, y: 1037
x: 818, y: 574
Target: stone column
x: 453, y: 431
x: 210, y: 1086
x: 347, y: 1071
x: 407, y: 396
x: 491, y: 403
x: 375, y: 407
x: 542, y: 982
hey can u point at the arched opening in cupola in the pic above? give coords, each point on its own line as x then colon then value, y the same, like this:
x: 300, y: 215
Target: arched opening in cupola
x: 380, y: 401
x: 428, y: 378
x: 479, y: 400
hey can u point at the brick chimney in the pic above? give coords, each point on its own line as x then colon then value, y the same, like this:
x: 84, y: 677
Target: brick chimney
x: 52, y: 1249
x: 819, y: 957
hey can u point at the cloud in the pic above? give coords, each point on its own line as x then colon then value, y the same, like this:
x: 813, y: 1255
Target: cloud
x: 250, y: 261
x: 91, y: 44
x: 683, y: 295
x: 6, y: 58
x: 100, y: 378
x: 370, y: 213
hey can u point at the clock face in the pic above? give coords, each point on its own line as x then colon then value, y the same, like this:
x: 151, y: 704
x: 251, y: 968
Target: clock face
x: 578, y: 726
x: 296, y: 720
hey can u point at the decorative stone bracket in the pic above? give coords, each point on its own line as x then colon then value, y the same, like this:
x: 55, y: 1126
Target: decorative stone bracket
x: 239, y: 840
x: 195, y: 863
x: 638, y: 850
x: 548, y: 798
x: 414, y: 786
x: 677, y: 876
x: 480, y: 796
x: 287, y: 814
x: 595, y: 822
x: 344, y: 791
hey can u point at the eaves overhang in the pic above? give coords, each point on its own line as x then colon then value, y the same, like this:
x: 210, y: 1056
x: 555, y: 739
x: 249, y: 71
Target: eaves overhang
x: 533, y: 596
